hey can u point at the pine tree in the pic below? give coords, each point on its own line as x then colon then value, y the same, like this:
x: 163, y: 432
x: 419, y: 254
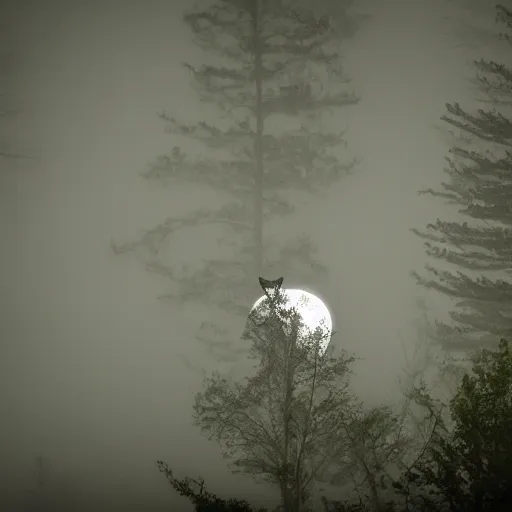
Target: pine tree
x: 480, y: 185
x: 276, y: 58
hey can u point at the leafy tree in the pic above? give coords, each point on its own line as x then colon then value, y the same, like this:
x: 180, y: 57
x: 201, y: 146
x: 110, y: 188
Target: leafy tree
x: 467, y: 467
x: 294, y: 422
x: 282, y: 424
x: 276, y: 59
x: 479, y: 184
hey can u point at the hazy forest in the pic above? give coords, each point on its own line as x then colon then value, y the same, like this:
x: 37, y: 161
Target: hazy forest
x: 164, y: 164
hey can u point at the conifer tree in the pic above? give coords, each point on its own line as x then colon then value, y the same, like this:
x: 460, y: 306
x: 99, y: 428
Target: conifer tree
x: 276, y: 59
x: 478, y: 250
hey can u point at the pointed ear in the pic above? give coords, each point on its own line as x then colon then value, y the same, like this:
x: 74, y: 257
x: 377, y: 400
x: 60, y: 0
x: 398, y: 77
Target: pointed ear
x: 279, y: 282
x: 263, y: 283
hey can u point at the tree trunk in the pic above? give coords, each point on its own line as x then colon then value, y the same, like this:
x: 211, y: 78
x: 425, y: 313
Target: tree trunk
x: 258, y: 143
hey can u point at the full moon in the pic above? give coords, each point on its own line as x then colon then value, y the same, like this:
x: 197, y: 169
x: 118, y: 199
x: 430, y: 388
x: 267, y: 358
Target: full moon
x: 313, y: 311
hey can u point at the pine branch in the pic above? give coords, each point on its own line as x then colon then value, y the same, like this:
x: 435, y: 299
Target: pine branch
x: 489, y: 126
x: 154, y: 238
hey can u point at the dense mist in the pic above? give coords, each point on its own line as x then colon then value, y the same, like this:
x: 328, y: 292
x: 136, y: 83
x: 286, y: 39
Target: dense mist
x: 96, y: 374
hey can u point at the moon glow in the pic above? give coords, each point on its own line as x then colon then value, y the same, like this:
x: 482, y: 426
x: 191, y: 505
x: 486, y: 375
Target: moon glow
x: 313, y: 311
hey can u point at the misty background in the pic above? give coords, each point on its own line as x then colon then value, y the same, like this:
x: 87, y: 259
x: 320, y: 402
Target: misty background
x: 91, y: 368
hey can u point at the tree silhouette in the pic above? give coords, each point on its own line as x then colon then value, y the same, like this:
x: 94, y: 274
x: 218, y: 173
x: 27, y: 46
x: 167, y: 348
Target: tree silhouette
x: 480, y: 186
x: 467, y: 467
x: 278, y: 59
x: 281, y: 424
x: 203, y: 500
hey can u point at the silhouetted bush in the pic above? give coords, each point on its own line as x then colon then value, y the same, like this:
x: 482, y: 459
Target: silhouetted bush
x: 203, y: 500
x: 469, y: 466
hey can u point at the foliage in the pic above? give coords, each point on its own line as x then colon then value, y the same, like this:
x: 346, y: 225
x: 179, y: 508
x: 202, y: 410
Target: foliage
x: 203, y: 501
x: 266, y: 59
x: 467, y: 467
x: 480, y: 186
x: 460, y: 465
x: 281, y: 425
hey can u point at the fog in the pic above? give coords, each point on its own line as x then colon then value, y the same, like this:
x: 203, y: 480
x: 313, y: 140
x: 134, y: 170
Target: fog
x: 90, y: 373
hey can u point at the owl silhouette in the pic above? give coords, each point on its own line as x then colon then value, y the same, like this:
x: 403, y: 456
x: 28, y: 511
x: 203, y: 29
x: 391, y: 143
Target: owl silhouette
x: 271, y: 288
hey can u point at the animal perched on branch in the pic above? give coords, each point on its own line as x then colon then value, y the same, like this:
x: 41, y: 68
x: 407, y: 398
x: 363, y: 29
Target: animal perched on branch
x: 271, y: 288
